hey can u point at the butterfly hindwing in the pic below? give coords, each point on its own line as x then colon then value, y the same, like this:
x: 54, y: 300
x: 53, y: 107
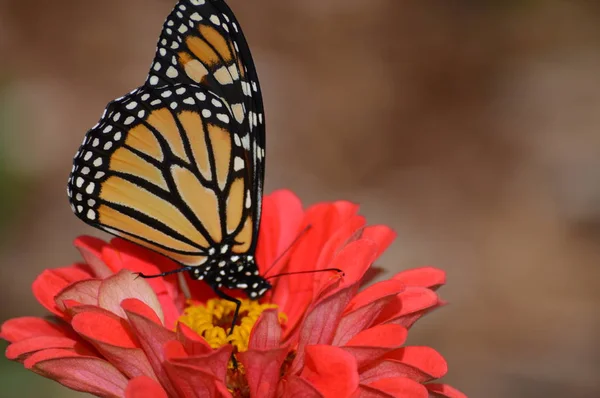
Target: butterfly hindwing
x: 164, y: 168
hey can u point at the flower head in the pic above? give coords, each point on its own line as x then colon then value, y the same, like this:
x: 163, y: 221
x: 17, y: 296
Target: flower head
x: 317, y: 334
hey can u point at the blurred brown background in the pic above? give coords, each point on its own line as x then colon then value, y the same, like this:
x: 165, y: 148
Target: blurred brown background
x: 471, y: 127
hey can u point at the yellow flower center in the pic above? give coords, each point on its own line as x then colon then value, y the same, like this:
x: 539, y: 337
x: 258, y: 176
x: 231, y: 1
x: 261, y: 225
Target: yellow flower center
x: 213, y: 320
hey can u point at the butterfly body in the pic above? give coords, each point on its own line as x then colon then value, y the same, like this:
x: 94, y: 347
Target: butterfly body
x: 177, y: 165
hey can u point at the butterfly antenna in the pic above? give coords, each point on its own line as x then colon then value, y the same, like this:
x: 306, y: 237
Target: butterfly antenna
x: 312, y: 271
x: 296, y: 239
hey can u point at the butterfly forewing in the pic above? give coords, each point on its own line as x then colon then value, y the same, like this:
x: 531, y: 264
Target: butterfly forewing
x: 201, y: 43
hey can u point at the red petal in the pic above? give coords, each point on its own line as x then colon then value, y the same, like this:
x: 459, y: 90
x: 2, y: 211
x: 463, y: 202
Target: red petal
x: 365, y: 307
x: 263, y: 370
x: 371, y: 344
x: 266, y: 333
x: 321, y: 322
x: 444, y: 391
x: 214, y: 363
x: 50, y: 282
x: 193, y: 343
x: 294, y: 386
x: 331, y: 370
x: 354, y: 260
x: 407, y: 307
x: 144, y: 387
x: 191, y: 382
x: 281, y: 218
x: 139, y: 307
x: 369, y: 392
x: 91, y: 375
x: 125, y: 285
x: 91, y: 250
x: 421, y: 364
x: 382, y: 235
x: 18, y: 329
x: 152, y: 338
x: 400, y: 387
x: 83, y: 292
x: 428, y: 277
x: 112, y: 338
x: 24, y: 348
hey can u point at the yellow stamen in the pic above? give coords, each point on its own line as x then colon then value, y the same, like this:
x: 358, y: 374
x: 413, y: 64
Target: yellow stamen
x: 213, y: 319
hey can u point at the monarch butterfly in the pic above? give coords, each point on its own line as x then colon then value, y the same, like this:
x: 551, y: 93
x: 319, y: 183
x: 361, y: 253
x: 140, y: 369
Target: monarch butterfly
x: 177, y: 165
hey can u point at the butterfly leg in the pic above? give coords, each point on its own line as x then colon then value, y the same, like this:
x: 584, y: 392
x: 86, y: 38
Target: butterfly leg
x: 236, y: 313
x: 175, y: 271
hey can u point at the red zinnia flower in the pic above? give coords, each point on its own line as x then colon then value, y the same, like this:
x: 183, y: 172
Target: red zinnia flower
x: 313, y: 335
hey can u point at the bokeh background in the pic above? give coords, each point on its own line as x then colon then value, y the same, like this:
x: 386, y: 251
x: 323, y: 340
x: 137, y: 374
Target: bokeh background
x: 471, y: 127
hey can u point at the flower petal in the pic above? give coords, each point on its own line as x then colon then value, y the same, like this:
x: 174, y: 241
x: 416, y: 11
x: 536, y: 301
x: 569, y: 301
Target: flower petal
x: 266, y: 333
x: 280, y: 222
x: 371, y: 344
x: 112, y: 338
x: 398, y: 387
x: 263, y: 369
x: 192, y: 342
x: 364, y: 308
x: 144, y: 387
x: 443, y: 391
x: 26, y: 327
x: 126, y: 285
x: 408, y: 306
x: 421, y: 364
x: 152, y: 338
x: 382, y: 235
x: 331, y: 370
x: 167, y: 288
x: 83, y: 292
x: 50, y: 282
x: 428, y: 277
x: 87, y: 374
x: 321, y: 322
x: 91, y: 251
x: 191, y: 381
x: 214, y: 363
x: 21, y: 350
x: 297, y: 387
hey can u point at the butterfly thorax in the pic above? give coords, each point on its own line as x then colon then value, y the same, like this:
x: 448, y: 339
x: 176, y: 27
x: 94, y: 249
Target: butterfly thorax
x: 233, y: 272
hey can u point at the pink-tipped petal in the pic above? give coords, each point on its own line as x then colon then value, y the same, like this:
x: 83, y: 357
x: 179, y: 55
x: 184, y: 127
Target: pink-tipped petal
x: 126, y: 285
x: 144, y: 387
x: 421, y: 364
x: 438, y: 390
x: 263, y: 369
x: 324, y: 364
x: 428, y: 277
x: 50, y: 282
x: 26, y: 327
x: 266, y: 333
x: 371, y: 344
x: 399, y: 387
x: 83, y: 292
x: 86, y: 374
x: 321, y: 322
x: 140, y: 308
x: 91, y: 251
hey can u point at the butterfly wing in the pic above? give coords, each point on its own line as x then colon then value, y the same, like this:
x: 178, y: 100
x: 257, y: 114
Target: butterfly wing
x: 202, y: 43
x: 178, y: 164
x: 164, y: 168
